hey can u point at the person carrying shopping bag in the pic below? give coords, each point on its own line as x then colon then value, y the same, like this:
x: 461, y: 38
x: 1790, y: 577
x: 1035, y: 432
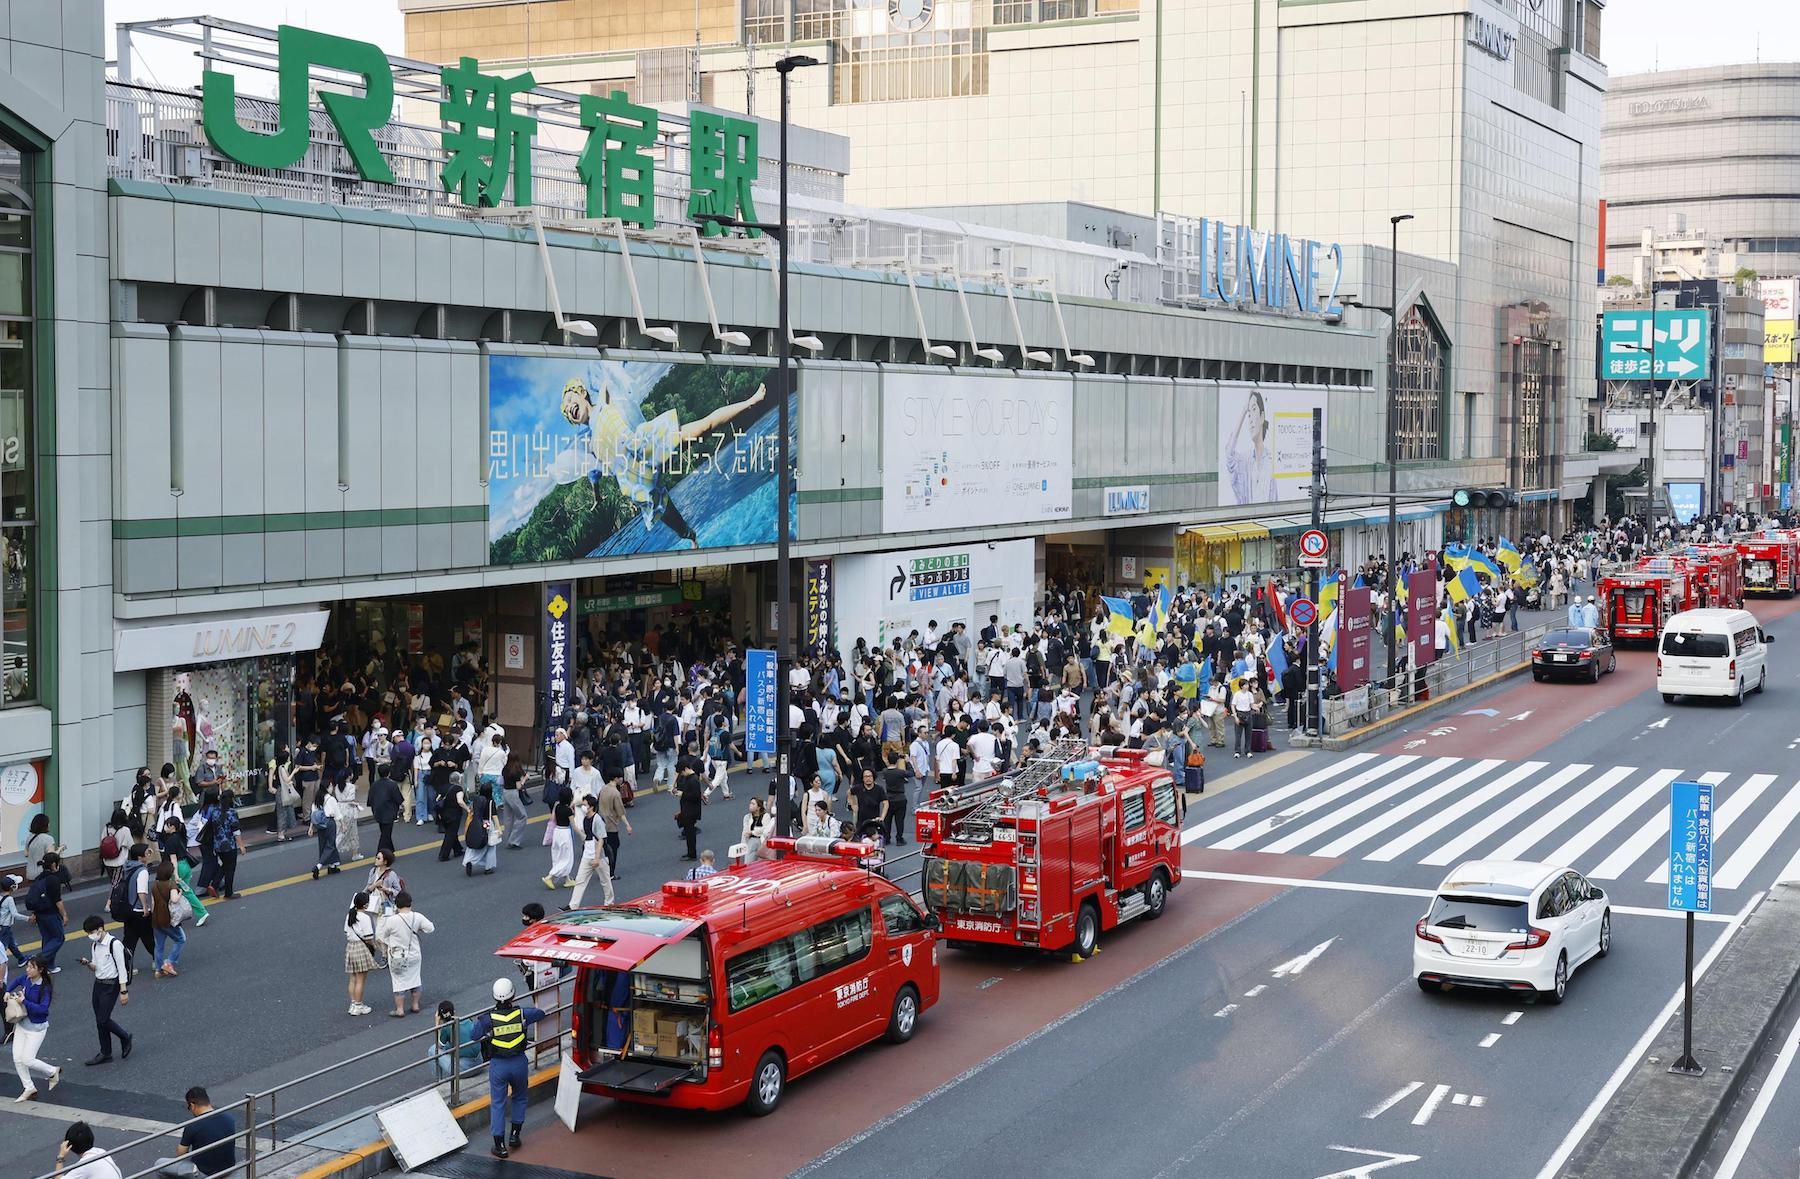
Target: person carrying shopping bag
x: 28, y: 1014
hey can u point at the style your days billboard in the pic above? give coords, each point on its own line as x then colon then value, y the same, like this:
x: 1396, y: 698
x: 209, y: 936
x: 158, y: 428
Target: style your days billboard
x: 1265, y: 442
x: 595, y: 458
x: 967, y: 449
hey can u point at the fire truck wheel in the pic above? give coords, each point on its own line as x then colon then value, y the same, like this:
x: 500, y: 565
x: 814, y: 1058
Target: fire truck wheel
x: 767, y: 1084
x: 1157, y: 893
x: 905, y: 1017
x: 1087, y: 930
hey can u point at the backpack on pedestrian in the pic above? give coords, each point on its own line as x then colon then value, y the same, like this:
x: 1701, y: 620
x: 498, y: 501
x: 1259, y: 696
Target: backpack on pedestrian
x: 37, y: 897
x: 121, y: 901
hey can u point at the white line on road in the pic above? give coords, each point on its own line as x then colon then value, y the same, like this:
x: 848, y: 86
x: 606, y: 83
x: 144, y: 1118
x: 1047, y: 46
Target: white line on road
x: 1381, y: 1160
x: 1746, y: 1133
x: 1454, y: 849
x: 93, y: 1117
x: 1256, y: 990
x: 1560, y: 814
x: 1417, y: 802
x: 1578, y: 844
x: 1395, y: 890
x: 1350, y: 810
x: 1371, y: 775
x: 1512, y: 1017
x: 1724, y: 816
x: 1460, y: 1099
x: 1273, y: 797
x: 1477, y: 1102
x: 1222, y: 1012
x: 1773, y: 826
x: 1431, y: 1105
x: 1456, y: 810
x: 1640, y: 841
x: 1605, y: 1094
x: 1489, y: 1040
x: 1395, y: 1099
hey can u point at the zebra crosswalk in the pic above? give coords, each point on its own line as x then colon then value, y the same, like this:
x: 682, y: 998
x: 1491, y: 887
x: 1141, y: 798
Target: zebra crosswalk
x: 1611, y: 822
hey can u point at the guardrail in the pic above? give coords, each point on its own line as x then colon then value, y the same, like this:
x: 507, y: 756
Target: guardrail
x: 1379, y: 699
x: 259, y: 1141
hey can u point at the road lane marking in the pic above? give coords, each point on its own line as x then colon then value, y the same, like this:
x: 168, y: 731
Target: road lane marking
x: 1773, y: 826
x: 1455, y: 811
x: 1605, y: 1093
x: 1746, y: 1133
x: 93, y: 1117
x: 1380, y: 823
x: 1489, y: 1040
x: 1373, y: 798
x: 1430, y: 1107
x: 1512, y: 1017
x: 1395, y: 1099
x: 1725, y: 816
x: 1379, y: 1160
x: 1296, y: 966
x: 1640, y: 841
x: 1256, y: 990
x: 1373, y: 774
x: 1578, y: 844
x: 1274, y: 797
x: 1573, y: 805
x: 1222, y: 1012
x: 1395, y: 890
x: 1453, y: 850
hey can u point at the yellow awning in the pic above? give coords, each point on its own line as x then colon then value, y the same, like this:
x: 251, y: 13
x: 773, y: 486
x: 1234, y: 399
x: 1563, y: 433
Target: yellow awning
x: 1227, y: 530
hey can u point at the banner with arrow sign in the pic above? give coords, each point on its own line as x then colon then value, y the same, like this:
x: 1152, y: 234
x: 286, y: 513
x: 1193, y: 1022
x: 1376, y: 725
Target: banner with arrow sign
x: 1677, y: 339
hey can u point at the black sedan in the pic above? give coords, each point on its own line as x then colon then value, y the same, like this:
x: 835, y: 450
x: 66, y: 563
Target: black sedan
x: 1578, y: 652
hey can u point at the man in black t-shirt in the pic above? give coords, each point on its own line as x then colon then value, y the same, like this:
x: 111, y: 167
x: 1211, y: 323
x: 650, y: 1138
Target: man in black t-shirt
x: 894, y: 781
x: 210, y: 1143
x: 447, y: 759
x: 868, y: 803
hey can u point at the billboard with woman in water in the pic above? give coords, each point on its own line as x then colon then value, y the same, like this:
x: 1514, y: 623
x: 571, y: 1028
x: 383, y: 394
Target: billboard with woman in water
x: 597, y: 458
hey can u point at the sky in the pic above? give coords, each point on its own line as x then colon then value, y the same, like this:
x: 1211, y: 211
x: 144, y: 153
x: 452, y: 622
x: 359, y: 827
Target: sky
x: 1643, y: 35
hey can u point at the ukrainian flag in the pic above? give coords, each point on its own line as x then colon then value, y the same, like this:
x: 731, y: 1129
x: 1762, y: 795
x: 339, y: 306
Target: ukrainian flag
x: 1527, y: 574
x: 1401, y: 596
x: 1455, y: 635
x: 1463, y: 586
x: 1508, y: 555
x: 1121, y: 622
x: 1483, y: 563
x: 1328, y: 594
x: 1456, y: 556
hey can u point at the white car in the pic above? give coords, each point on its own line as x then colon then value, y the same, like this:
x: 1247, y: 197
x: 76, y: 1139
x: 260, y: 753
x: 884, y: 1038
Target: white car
x: 1511, y: 925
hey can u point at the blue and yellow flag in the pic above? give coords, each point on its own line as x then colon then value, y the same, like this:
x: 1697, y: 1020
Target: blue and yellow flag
x: 1402, y: 594
x: 1455, y: 635
x: 1328, y: 594
x: 1508, y: 555
x: 1121, y: 620
x: 1463, y: 586
x: 1482, y: 563
x: 1456, y: 556
x: 1527, y: 573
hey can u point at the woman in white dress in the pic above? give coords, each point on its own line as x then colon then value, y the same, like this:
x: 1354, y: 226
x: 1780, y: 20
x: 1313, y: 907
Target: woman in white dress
x: 562, y: 846
x: 400, y: 931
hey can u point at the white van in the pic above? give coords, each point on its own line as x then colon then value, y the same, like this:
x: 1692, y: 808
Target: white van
x: 1712, y: 653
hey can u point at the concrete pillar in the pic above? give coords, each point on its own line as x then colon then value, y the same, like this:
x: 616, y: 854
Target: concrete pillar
x: 1599, y: 496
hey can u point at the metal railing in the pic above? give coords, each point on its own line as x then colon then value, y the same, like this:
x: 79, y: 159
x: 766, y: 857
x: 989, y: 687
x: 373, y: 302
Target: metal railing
x: 259, y: 1141
x: 1473, y: 662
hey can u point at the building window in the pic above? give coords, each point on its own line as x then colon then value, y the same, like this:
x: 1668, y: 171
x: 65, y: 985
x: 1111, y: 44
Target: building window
x: 896, y: 67
x: 765, y: 21
x: 1419, y: 373
x: 18, y: 469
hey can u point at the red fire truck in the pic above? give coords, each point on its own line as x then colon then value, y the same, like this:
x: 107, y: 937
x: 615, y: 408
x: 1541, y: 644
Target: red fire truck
x: 1718, y: 574
x: 1771, y: 564
x: 1047, y: 856
x: 1635, y: 603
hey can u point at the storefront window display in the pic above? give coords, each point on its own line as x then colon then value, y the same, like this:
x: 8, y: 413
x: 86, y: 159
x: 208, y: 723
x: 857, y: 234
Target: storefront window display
x: 18, y: 473
x: 242, y: 709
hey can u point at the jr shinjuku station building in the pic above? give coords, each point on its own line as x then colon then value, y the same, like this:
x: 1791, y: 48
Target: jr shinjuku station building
x: 354, y: 351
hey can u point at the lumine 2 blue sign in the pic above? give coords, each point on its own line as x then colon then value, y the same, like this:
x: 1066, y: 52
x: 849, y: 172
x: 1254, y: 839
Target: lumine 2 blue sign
x: 1244, y: 267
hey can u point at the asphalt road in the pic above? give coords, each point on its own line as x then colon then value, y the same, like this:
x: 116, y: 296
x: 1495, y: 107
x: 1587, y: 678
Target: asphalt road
x: 1281, y: 1035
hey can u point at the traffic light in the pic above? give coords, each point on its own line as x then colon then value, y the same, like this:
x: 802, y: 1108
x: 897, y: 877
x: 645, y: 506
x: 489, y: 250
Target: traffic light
x: 1485, y: 497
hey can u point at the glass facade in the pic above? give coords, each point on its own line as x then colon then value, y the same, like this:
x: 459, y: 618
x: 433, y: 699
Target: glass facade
x: 18, y: 474
x: 1420, y: 373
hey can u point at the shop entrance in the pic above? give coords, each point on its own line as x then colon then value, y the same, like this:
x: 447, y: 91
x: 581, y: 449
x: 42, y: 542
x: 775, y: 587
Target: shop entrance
x: 242, y: 708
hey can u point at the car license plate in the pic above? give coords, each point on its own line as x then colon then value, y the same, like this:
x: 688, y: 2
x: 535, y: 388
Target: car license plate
x: 1564, y: 658
x: 1473, y: 948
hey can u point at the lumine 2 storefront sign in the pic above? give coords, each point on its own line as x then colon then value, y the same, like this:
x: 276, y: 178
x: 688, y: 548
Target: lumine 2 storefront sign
x: 487, y: 141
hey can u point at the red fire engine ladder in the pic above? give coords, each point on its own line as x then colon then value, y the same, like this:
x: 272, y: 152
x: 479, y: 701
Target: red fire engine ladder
x: 1041, y: 772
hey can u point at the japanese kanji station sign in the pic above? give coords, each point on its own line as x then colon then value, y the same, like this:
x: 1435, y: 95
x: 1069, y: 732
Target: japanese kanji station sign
x: 487, y: 141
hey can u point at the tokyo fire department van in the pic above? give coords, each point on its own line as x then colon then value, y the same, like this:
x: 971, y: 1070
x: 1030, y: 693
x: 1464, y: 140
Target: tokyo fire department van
x: 716, y: 992
x: 1712, y: 653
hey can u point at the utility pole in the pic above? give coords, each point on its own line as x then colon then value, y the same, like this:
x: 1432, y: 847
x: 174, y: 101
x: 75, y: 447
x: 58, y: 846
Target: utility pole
x: 1393, y: 443
x: 1316, y: 671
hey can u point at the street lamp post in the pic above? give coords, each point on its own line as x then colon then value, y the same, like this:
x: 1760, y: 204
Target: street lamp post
x: 784, y: 479
x: 1393, y: 446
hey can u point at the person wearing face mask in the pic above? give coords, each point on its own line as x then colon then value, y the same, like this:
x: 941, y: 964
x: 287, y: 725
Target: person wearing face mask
x: 112, y: 986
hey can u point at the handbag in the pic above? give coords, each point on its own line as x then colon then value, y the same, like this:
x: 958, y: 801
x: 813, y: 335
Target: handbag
x: 1196, y: 758
x: 374, y: 951
x: 180, y: 909
x: 15, y: 1008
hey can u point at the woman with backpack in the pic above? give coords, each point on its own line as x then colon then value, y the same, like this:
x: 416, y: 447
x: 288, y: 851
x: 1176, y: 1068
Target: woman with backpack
x: 400, y: 932
x: 115, y: 838
x: 227, y: 845
x: 169, y: 910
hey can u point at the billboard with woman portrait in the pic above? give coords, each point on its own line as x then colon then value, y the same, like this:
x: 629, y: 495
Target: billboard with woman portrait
x: 1265, y: 442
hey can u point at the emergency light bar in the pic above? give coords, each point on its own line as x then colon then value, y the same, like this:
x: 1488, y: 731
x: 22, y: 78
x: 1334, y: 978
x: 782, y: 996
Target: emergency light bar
x: 820, y: 847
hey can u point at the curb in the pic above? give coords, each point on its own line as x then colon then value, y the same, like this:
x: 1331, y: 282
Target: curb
x: 1660, y: 1123
x: 376, y: 1158
x: 1357, y: 736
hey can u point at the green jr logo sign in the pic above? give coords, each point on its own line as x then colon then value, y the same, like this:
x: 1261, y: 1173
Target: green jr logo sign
x: 487, y: 143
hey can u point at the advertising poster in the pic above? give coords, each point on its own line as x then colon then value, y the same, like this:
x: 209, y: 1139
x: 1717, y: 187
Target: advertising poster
x: 1355, y: 635
x: 1421, y: 616
x: 21, y: 800
x: 1778, y: 341
x: 1684, y: 501
x: 820, y: 586
x: 1265, y: 443
x: 559, y: 654
x: 759, y: 700
x: 1624, y: 429
x: 971, y: 449
x: 597, y: 458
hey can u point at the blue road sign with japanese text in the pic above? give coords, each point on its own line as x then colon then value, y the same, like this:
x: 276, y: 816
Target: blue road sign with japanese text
x: 759, y: 701
x: 1690, y: 846
x: 1681, y: 337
